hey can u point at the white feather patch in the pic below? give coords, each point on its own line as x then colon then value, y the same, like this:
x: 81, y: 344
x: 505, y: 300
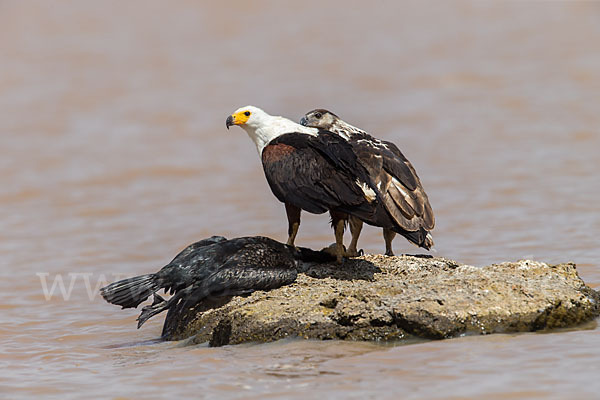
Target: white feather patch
x: 400, y: 187
x: 370, y: 194
x: 343, y: 134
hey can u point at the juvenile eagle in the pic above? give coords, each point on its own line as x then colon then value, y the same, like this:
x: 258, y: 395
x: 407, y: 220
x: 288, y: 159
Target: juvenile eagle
x: 394, y: 176
x: 312, y: 170
x: 213, y: 267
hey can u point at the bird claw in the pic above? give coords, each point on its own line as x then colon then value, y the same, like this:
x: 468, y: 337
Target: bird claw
x: 354, y: 253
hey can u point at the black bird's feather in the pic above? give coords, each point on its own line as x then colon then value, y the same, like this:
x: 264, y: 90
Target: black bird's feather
x: 213, y: 267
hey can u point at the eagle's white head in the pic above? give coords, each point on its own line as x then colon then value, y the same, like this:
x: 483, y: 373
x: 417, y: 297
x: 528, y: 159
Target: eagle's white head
x: 248, y: 117
x: 262, y: 127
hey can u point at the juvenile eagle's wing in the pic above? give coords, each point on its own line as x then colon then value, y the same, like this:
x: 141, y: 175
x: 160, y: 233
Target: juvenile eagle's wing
x: 399, y: 186
x: 405, y: 189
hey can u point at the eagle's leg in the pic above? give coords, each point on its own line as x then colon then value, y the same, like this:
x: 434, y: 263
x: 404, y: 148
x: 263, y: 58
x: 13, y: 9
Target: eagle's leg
x: 355, y: 228
x: 293, y: 216
x: 338, y: 220
x: 388, y: 236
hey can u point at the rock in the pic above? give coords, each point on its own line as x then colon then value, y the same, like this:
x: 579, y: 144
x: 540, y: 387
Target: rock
x: 375, y: 297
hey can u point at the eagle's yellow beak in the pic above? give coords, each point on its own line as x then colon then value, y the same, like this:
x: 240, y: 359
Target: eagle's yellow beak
x: 238, y: 118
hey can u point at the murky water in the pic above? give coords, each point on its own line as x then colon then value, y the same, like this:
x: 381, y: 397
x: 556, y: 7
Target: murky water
x: 114, y: 156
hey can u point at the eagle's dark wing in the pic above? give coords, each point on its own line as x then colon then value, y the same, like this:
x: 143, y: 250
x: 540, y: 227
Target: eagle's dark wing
x: 398, y: 166
x: 400, y: 187
x: 317, y: 174
x: 406, y: 188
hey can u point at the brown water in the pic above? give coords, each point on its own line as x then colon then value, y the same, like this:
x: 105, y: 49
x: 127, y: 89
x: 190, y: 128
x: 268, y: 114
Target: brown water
x: 114, y: 156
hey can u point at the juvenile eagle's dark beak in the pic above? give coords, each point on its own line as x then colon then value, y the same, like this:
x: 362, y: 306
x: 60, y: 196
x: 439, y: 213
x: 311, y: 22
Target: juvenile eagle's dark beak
x: 229, y: 121
x: 303, y: 121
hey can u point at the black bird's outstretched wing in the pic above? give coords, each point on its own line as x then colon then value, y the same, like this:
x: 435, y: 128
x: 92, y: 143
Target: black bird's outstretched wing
x: 259, y: 263
x: 233, y: 278
x: 213, y: 268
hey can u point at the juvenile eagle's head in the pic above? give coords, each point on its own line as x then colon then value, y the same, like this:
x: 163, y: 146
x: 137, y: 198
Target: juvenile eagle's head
x: 328, y: 121
x: 319, y: 118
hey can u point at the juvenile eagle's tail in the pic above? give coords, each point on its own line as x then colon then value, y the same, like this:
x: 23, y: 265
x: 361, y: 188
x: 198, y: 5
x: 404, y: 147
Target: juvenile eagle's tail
x: 428, y: 242
x: 421, y: 238
x: 129, y: 293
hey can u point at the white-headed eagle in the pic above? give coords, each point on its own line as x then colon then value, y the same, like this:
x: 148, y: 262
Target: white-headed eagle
x: 313, y: 170
x: 394, y: 177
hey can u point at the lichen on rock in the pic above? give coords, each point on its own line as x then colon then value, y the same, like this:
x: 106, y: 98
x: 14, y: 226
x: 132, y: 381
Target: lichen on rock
x: 375, y: 297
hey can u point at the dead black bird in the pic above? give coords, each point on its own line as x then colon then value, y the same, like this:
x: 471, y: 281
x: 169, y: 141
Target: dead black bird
x: 213, y: 267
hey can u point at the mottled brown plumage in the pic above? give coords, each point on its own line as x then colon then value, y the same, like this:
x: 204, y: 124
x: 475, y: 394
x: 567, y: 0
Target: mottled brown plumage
x: 394, y: 176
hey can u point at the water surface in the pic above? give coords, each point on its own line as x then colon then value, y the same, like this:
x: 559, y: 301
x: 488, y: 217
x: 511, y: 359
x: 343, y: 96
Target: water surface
x: 114, y: 156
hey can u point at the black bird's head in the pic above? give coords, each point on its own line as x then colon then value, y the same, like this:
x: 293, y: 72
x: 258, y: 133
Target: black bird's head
x: 319, y: 118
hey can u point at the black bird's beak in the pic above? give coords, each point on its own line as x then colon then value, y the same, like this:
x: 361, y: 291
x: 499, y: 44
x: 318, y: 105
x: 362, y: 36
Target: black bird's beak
x: 303, y: 121
x: 229, y: 121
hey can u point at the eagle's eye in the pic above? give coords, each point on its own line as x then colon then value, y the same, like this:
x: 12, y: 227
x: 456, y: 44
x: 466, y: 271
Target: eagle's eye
x: 318, y: 115
x: 247, y: 113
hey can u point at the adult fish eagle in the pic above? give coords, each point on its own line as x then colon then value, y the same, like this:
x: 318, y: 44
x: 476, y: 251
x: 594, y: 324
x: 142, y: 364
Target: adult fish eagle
x: 401, y: 191
x: 312, y: 170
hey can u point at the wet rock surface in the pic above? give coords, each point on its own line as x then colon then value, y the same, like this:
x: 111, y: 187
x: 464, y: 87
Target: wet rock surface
x: 375, y: 297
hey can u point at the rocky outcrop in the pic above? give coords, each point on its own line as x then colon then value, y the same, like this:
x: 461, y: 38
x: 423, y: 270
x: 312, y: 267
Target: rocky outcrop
x: 376, y: 297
